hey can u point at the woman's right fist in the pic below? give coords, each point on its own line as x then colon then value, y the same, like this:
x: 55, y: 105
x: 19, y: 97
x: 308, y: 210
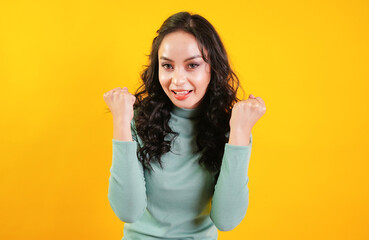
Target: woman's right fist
x: 120, y: 103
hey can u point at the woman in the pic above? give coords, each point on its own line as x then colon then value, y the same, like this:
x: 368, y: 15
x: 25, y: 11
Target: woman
x: 182, y: 143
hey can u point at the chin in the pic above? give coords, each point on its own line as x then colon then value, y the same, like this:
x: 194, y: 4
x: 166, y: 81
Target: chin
x: 188, y: 106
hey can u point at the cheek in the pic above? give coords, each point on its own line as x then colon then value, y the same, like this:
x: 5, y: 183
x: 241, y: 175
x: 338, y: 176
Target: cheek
x: 202, y: 80
x: 163, y: 79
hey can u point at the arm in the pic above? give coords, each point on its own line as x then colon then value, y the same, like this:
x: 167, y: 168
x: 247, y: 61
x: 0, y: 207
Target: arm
x: 127, y: 191
x: 231, y: 194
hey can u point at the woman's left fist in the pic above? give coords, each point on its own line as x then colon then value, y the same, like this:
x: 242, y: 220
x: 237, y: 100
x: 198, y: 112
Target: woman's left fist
x: 246, y: 113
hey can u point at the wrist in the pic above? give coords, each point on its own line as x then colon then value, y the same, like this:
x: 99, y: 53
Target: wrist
x: 239, y: 137
x: 120, y: 121
x: 242, y: 129
x: 122, y: 131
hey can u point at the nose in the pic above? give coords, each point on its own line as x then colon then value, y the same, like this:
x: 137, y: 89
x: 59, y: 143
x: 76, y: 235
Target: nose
x: 178, y: 77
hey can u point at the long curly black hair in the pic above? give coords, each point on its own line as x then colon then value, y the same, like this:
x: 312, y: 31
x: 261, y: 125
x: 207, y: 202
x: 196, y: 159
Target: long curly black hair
x: 153, y: 106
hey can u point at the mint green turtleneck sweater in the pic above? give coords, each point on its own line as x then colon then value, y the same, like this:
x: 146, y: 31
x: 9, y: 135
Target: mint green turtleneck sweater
x: 181, y: 201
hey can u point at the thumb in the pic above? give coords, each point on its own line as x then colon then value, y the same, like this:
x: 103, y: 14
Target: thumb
x: 133, y: 99
x: 251, y: 96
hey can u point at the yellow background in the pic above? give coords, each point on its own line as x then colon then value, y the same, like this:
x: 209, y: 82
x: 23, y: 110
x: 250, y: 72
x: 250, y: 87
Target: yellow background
x: 308, y: 60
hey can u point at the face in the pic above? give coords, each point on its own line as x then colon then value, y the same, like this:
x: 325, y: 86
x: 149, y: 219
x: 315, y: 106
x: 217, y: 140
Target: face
x: 183, y: 74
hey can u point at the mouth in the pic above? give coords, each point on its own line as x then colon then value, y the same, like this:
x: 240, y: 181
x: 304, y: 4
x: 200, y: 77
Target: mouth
x: 181, y: 92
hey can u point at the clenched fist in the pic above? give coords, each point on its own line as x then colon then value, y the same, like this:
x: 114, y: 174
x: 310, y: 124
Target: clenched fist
x: 244, y: 116
x: 120, y: 103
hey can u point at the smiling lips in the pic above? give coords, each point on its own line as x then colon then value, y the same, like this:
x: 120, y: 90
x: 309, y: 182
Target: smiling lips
x: 181, y: 94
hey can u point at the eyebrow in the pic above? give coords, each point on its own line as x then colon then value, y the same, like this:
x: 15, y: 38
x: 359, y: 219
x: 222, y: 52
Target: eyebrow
x: 190, y: 58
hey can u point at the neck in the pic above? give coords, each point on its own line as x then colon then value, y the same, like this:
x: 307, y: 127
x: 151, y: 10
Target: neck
x: 186, y: 112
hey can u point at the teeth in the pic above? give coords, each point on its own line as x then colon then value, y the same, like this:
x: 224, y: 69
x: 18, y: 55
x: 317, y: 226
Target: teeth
x: 181, y: 92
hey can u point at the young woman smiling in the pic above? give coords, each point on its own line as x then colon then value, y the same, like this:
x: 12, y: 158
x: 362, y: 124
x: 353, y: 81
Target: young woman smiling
x: 182, y: 143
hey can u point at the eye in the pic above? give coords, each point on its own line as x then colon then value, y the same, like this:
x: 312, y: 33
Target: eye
x: 193, y: 65
x: 167, y: 66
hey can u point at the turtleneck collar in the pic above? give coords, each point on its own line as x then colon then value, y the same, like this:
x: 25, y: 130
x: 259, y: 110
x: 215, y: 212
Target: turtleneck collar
x: 185, y: 112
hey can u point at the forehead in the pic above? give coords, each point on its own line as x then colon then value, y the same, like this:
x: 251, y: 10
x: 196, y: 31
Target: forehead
x: 179, y: 45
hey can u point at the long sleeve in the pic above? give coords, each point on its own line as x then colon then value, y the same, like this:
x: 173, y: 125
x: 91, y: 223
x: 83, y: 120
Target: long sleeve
x: 127, y: 192
x: 231, y: 193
